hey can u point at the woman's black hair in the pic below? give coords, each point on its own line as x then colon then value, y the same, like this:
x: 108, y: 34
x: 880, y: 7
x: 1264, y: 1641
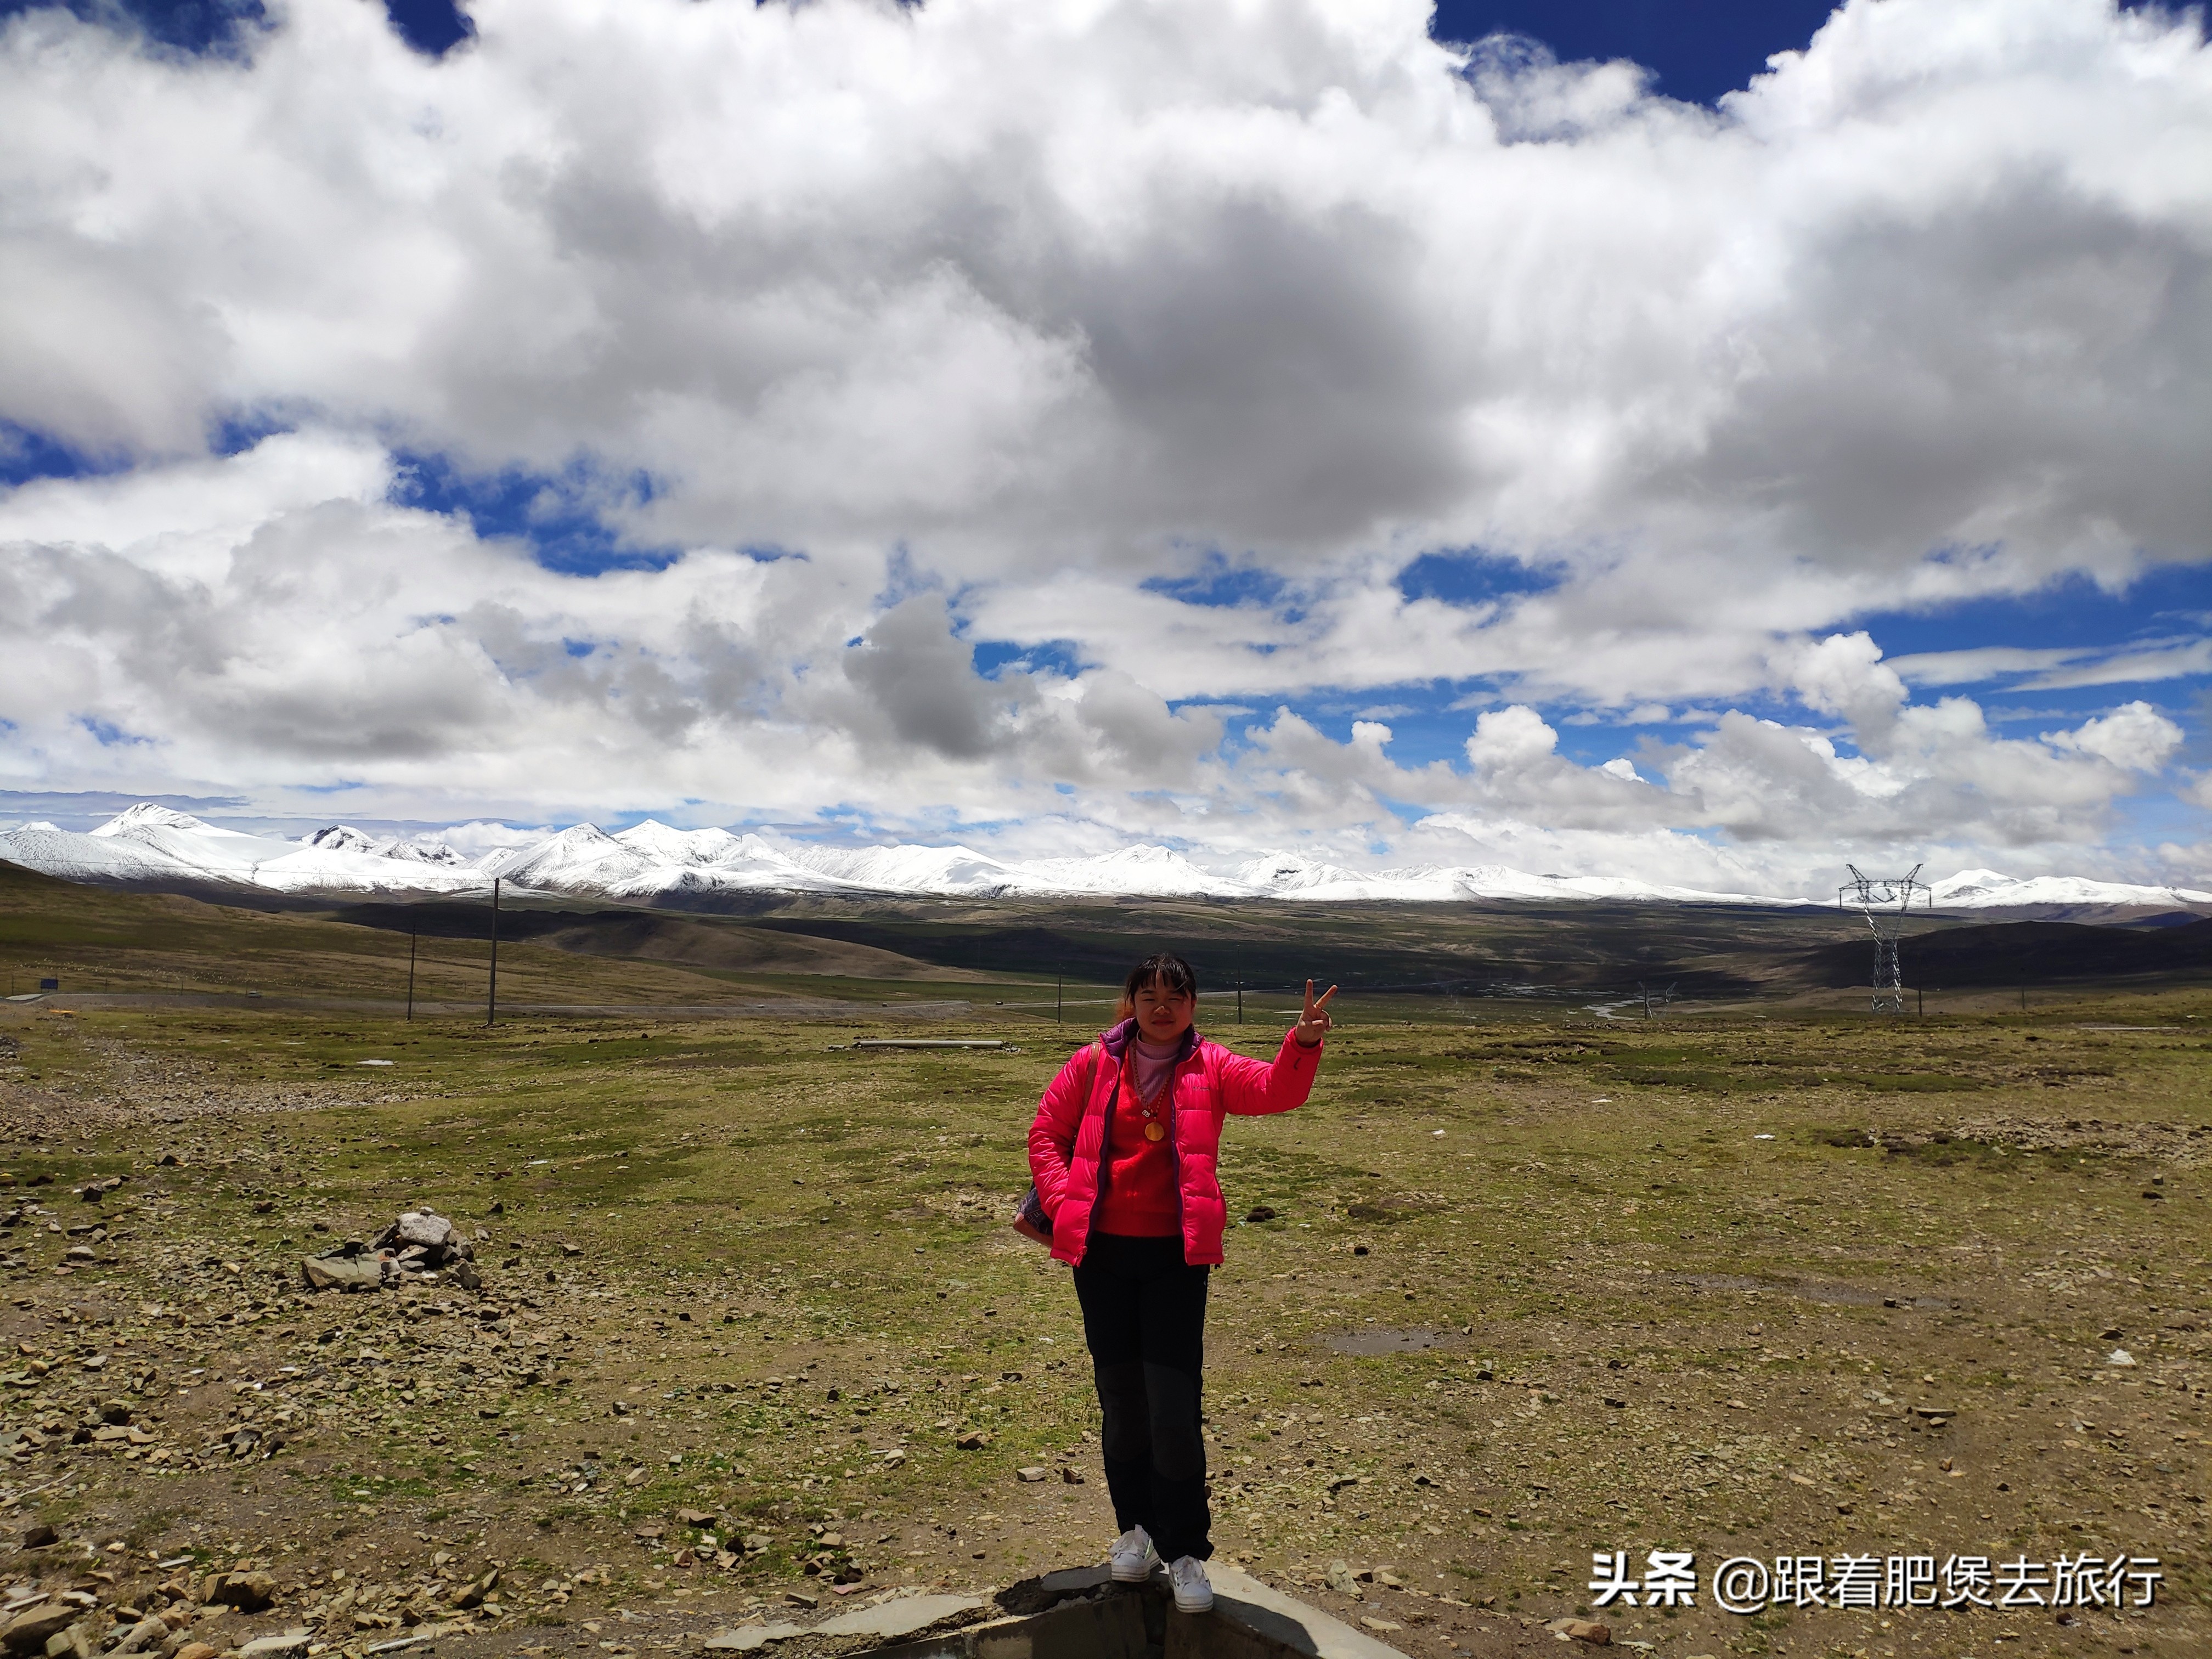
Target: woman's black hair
x: 1165, y: 968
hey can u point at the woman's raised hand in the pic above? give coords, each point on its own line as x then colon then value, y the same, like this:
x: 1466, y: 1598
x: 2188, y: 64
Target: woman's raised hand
x: 1312, y: 1024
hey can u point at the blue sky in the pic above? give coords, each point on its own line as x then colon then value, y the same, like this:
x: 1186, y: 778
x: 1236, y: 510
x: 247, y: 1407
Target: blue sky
x: 1595, y: 452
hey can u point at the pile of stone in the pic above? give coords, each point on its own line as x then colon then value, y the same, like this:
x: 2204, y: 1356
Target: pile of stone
x: 422, y: 1248
x: 164, y: 1622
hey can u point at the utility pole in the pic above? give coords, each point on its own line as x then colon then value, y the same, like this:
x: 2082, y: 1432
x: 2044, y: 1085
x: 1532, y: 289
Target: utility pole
x: 410, y: 968
x: 1240, y: 999
x: 1059, y: 985
x: 491, y: 997
x: 1921, y: 992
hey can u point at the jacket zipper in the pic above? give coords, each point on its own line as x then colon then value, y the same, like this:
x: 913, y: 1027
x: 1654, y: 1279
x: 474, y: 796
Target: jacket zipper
x: 1105, y: 1145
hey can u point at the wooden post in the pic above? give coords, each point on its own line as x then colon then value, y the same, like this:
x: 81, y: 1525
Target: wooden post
x: 1059, y: 985
x: 1240, y: 999
x: 410, y: 968
x: 491, y: 996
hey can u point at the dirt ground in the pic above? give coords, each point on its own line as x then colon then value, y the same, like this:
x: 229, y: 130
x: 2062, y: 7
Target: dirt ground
x: 753, y: 1338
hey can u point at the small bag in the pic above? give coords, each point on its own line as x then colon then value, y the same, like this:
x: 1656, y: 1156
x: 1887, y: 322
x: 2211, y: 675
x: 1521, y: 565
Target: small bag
x: 1031, y: 1221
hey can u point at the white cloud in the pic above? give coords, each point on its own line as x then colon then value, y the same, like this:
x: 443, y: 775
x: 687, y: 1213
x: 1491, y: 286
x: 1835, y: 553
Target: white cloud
x: 2135, y: 736
x: 1507, y: 739
x: 995, y: 310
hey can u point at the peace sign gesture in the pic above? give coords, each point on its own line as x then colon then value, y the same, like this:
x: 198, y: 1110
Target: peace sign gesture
x: 1312, y: 1024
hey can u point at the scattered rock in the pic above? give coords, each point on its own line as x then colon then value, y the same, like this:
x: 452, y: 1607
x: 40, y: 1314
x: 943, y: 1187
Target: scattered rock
x: 1344, y: 1581
x: 2119, y: 1356
x: 1033, y: 1473
x: 348, y: 1268
x: 30, y: 1630
x: 975, y: 1439
x: 38, y: 1536
x: 472, y: 1594
x: 1582, y: 1630
x: 1385, y: 1624
x: 145, y: 1633
x: 802, y: 1598
x: 269, y: 1647
x: 249, y: 1592
x: 1260, y: 1212
x: 1070, y: 1475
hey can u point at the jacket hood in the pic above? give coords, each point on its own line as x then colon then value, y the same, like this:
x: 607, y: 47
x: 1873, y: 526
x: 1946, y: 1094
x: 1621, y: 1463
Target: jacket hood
x: 1120, y: 1037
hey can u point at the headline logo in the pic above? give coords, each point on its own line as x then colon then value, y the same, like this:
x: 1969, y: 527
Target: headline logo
x: 1747, y: 1584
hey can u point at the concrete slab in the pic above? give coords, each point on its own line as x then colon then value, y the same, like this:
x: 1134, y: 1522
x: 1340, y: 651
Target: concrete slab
x: 1036, y: 1595
x: 1257, y: 1619
x: 1080, y: 1614
x: 901, y: 1616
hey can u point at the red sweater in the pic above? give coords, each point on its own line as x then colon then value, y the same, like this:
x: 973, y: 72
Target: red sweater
x: 1139, y: 1200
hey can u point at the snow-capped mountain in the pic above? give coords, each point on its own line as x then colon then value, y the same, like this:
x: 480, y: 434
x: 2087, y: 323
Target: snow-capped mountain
x: 345, y: 838
x: 952, y: 872
x: 1156, y: 871
x: 150, y: 846
x: 1292, y: 876
x: 1985, y: 889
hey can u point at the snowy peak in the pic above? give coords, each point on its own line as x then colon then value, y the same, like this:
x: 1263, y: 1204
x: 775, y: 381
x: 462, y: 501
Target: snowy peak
x: 557, y: 862
x: 135, y: 821
x: 670, y: 846
x: 338, y: 838
x: 1146, y: 872
x: 956, y: 871
x: 1290, y: 872
x: 345, y: 838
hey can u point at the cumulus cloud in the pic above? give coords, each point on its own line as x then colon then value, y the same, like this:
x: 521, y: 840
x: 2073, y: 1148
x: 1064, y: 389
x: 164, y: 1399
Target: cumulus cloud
x: 1008, y: 321
x: 2134, y: 736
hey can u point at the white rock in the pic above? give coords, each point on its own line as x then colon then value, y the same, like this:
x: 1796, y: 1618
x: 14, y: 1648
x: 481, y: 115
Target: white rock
x: 425, y: 1227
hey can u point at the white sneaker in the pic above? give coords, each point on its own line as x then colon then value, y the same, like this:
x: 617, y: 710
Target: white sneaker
x: 1134, y: 1556
x: 1193, y: 1592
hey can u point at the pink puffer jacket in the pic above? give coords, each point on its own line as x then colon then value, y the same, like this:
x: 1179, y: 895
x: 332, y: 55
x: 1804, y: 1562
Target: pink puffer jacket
x: 1067, y: 1140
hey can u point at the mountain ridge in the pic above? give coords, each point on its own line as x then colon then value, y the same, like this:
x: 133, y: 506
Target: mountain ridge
x: 147, y: 845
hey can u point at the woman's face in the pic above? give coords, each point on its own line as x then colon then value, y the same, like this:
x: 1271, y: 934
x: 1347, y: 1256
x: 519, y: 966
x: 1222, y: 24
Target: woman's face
x: 1163, y: 1015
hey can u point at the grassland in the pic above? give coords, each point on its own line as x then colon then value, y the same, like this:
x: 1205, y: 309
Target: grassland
x: 1752, y: 1281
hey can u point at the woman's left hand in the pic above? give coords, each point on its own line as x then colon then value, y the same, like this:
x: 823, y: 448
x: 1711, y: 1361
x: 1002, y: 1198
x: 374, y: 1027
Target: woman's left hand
x: 1312, y: 1024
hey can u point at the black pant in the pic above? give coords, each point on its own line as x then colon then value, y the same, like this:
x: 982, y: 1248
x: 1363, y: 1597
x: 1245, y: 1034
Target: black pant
x: 1144, y: 1317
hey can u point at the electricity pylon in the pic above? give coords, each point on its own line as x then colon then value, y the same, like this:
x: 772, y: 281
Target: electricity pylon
x: 1884, y: 901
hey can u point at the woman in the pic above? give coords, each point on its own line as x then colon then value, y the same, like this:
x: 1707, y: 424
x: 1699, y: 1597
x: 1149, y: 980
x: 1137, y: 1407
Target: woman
x: 1124, y: 1150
